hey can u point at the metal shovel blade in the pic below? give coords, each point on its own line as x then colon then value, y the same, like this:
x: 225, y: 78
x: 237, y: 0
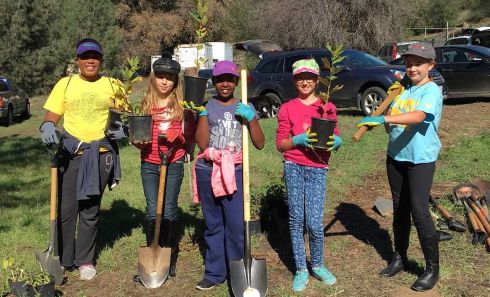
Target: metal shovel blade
x: 238, y: 275
x: 153, y: 265
x: 51, y: 264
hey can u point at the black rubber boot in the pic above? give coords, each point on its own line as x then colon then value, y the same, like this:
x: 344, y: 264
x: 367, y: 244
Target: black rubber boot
x: 430, y: 247
x: 149, y: 230
x: 400, y: 259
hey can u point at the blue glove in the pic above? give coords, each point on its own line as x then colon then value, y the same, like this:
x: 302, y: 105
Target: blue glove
x: 245, y: 111
x: 201, y: 110
x: 48, y: 135
x: 304, y: 139
x: 116, y: 131
x: 335, y: 143
x: 371, y: 121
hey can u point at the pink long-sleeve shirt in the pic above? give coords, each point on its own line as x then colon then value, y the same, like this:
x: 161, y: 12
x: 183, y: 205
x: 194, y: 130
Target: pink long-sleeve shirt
x: 295, y: 118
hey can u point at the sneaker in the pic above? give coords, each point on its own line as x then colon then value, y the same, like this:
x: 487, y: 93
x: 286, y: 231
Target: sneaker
x: 321, y: 273
x: 205, y: 285
x: 300, y: 280
x: 87, y: 271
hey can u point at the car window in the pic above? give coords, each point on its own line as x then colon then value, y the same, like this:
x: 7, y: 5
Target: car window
x: 3, y: 86
x: 454, y: 56
x: 318, y: 58
x: 289, y: 61
x: 268, y: 67
x: 403, y: 48
x: 358, y: 59
x: 453, y: 41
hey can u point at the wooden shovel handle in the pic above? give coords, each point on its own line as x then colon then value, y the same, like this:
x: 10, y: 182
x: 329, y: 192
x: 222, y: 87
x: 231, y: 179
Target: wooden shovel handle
x: 379, y: 111
x: 445, y: 214
x: 54, y: 193
x: 245, y: 160
x: 480, y: 216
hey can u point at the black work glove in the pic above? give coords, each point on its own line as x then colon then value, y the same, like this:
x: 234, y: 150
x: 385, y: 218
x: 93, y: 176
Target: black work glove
x: 48, y: 135
x: 116, y: 131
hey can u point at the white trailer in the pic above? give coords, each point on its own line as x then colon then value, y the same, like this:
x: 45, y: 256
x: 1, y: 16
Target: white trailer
x: 221, y: 51
x: 186, y: 55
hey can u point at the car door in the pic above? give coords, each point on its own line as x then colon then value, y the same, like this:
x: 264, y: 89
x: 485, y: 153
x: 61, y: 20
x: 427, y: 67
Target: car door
x: 283, y: 78
x: 466, y: 72
x: 16, y: 99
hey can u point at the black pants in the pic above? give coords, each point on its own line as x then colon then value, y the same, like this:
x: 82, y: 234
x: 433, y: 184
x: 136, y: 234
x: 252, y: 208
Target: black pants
x: 410, y: 188
x: 79, y: 249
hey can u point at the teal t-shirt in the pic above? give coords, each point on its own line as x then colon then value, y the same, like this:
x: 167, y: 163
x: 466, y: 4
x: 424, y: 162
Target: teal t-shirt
x: 417, y: 143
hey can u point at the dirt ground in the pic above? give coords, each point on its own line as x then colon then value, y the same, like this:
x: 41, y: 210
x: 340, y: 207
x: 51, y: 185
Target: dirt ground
x: 357, y: 245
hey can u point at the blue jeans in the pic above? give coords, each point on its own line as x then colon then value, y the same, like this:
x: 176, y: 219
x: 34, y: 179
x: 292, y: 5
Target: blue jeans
x: 306, y: 188
x: 150, y: 175
x: 223, y: 218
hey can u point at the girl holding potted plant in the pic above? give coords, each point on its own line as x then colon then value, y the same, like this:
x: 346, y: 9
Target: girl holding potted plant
x: 162, y: 102
x: 305, y: 170
x: 89, y: 158
x: 219, y: 172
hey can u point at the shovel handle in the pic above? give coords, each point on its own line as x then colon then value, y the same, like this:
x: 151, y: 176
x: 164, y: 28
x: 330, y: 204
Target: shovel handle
x: 445, y: 214
x: 53, y: 193
x: 160, y: 201
x: 480, y: 216
x: 379, y: 111
x: 245, y: 160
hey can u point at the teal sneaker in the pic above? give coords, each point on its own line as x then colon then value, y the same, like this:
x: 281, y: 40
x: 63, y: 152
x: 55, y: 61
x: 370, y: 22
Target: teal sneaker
x: 300, y: 280
x: 321, y: 273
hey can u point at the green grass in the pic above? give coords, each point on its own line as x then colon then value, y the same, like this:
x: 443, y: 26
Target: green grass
x: 24, y: 192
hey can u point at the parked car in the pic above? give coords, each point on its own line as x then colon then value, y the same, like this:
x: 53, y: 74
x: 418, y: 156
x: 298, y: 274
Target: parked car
x: 392, y: 51
x: 365, y: 78
x: 479, y: 36
x: 465, y: 68
x: 13, y: 101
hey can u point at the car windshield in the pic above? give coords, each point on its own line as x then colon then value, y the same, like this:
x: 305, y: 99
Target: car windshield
x: 358, y: 59
x: 462, y: 40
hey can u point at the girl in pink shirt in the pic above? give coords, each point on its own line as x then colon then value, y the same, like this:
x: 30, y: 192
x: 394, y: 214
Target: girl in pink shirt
x: 305, y: 170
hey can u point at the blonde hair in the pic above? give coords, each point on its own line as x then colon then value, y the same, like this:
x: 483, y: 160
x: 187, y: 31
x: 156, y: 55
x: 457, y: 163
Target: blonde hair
x: 151, y: 98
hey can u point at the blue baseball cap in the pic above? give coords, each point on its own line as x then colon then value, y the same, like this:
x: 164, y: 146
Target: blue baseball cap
x: 87, y: 46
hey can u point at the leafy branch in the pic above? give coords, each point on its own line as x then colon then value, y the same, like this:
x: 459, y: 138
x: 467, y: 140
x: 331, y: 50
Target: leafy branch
x: 201, y: 18
x: 125, y: 87
x: 336, y: 57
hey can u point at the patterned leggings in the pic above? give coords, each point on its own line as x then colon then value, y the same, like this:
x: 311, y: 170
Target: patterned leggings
x: 306, y: 188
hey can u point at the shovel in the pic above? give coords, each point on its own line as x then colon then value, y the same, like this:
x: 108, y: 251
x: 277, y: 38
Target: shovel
x: 154, y: 261
x: 451, y: 222
x: 248, y: 276
x: 48, y: 261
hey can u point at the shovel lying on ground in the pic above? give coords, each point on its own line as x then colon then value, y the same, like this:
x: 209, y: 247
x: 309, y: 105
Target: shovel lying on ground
x: 154, y: 261
x: 451, y: 222
x: 480, y: 218
x: 479, y: 235
x: 248, y: 276
x: 48, y: 261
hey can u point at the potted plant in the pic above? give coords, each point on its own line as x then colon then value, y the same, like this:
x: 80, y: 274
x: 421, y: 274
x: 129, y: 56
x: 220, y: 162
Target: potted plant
x: 140, y: 125
x: 23, y: 283
x: 322, y: 126
x: 195, y: 86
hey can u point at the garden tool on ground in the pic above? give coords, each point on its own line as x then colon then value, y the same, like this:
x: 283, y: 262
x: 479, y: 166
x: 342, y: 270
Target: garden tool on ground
x: 441, y: 224
x: 154, y: 261
x: 248, y: 276
x: 49, y: 262
x: 451, y: 222
x: 479, y: 236
x: 481, y: 218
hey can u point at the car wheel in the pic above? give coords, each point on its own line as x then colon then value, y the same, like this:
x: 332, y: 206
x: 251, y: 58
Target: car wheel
x: 9, y: 120
x: 27, y: 112
x: 371, y: 99
x: 273, y: 105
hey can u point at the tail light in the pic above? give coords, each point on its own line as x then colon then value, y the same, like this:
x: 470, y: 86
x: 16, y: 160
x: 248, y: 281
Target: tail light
x: 249, y: 78
x: 2, y: 103
x: 395, y: 52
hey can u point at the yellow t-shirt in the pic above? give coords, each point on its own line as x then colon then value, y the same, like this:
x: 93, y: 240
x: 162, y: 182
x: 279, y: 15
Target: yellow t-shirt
x: 83, y: 104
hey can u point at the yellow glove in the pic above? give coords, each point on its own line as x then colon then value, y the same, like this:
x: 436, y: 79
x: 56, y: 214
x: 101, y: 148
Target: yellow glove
x: 394, y: 86
x: 201, y: 110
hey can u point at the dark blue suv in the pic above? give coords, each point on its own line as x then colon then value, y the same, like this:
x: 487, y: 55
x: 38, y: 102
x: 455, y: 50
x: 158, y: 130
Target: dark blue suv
x: 365, y: 78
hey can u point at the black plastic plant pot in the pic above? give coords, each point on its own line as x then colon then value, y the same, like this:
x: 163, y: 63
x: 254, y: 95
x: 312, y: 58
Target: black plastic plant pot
x: 46, y: 290
x: 20, y: 288
x: 140, y: 128
x: 115, y: 115
x: 323, y: 129
x: 194, y: 89
x: 255, y: 226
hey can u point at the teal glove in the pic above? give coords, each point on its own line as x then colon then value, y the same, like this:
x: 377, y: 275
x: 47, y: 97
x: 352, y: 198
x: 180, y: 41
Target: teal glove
x: 304, y: 139
x: 245, y: 111
x: 371, y: 121
x: 335, y: 143
x: 201, y: 110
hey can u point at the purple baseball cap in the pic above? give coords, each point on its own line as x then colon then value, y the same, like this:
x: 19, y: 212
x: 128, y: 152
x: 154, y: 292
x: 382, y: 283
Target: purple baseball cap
x: 87, y: 46
x: 225, y: 67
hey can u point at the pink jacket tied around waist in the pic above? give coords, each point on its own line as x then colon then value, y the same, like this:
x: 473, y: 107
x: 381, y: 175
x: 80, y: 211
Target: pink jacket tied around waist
x: 223, y: 175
